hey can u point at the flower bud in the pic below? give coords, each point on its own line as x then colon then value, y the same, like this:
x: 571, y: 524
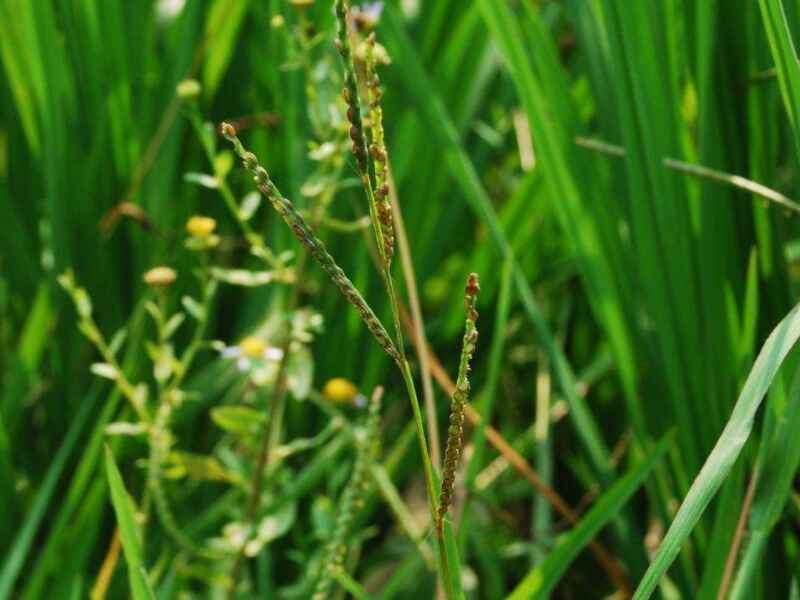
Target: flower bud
x: 199, y: 226
x: 188, y: 89
x: 160, y: 277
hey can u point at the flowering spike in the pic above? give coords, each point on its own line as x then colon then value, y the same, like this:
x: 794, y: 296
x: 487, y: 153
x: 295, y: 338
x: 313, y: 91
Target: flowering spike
x: 383, y: 204
x: 459, y: 399
x: 350, y: 91
x: 368, y: 146
x: 312, y: 243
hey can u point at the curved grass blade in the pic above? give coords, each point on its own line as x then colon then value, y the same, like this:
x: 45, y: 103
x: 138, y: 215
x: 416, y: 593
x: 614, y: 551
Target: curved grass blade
x: 541, y: 580
x: 129, y: 535
x: 726, y: 450
x: 778, y: 462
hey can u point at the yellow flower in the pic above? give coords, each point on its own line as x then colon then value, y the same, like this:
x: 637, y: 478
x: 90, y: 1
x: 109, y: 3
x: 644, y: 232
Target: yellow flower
x: 199, y: 226
x: 160, y: 277
x: 341, y: 391
x: 201, y: 233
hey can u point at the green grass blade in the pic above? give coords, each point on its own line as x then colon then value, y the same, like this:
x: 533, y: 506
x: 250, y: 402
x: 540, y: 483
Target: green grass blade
x: 777, y: 465
x: 128, y: 532
x: 783, y: 52
x: 726, y: 451
x: 14, y: 560
x: 541, y: 580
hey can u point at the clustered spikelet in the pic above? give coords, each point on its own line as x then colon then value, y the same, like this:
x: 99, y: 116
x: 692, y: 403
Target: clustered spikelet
x: 459, y: 399
x: 350, y: 91
x: 378, y: 152
x: 352, y: 499
x: 312, y: 243
x: 370, y: 153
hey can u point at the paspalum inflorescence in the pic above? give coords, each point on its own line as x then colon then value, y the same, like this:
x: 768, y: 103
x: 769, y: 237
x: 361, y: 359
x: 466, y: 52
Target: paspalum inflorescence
x: 459, y: 399
x: 316, y: 248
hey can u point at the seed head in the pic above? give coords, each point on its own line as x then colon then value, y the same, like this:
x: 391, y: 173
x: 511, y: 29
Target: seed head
x: 459, y: 399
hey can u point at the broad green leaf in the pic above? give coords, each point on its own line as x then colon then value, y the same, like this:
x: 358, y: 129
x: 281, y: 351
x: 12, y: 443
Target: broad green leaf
x: 726, y: 451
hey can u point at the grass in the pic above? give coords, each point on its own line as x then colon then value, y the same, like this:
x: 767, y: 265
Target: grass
x: 623, y: 177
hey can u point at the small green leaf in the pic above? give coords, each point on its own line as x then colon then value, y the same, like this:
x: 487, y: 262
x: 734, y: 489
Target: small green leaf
x: 105, y: 370
x: 198, y: 467
x: 193, y: 307
x: 202, y: 179
x: 300, y: 372
x: 172, y: 325
x: 124, y: 428
x: 239, y: 420
x: 243, y: 277
x: 250, y: 204
x: 323, y: 517
x: 223, y: 163
x: 117, y: 341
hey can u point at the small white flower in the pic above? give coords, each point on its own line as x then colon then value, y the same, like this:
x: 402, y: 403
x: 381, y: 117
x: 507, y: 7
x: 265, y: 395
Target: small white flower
x: 251, y: 351
x: 369, y: 12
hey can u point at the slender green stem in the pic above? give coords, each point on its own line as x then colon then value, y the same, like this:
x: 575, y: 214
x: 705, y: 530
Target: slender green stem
x: 430, y: 477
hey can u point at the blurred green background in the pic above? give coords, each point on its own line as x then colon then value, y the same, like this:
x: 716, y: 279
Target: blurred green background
x: 635, y: 296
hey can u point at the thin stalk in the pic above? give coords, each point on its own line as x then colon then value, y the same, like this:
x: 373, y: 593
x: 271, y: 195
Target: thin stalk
x: 430, y: 481
x: 418, y: 339
x: 736, y: 181
x: 103, y: 580
x: 741, y: 528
